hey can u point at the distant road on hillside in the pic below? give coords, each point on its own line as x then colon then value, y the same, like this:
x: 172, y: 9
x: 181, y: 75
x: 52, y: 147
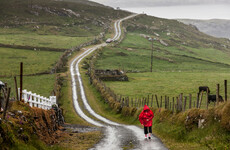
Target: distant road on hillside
x: 213, y: 27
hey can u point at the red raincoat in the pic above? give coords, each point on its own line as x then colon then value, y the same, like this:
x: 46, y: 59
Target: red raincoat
x: 146, y: 117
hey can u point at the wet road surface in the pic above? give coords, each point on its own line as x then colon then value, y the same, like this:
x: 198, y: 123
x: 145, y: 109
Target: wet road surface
x: 117, y: 136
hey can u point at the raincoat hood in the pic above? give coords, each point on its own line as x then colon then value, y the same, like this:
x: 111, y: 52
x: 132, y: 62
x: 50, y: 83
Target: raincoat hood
x: 146, y: 108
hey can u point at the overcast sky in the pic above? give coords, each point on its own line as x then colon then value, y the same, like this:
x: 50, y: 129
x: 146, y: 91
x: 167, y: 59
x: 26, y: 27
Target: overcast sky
x: 173, y: 9
x: 152, y: 3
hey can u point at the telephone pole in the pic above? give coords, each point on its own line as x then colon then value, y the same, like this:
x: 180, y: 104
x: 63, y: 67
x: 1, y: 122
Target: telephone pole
x: 151, y: 68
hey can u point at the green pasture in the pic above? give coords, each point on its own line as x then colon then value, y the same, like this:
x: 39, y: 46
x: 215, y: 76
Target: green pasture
x: 41, y: 40
x: 34, y: 61
x: 134, y: 53
x: 170, y: 84
x: 176, y: 69
x: 40, y: 84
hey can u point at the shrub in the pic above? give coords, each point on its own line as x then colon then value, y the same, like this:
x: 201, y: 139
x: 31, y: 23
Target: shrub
x: 225, y: 116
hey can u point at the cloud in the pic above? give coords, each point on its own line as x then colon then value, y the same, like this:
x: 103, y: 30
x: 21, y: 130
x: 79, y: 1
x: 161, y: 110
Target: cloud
x: 152, y: 3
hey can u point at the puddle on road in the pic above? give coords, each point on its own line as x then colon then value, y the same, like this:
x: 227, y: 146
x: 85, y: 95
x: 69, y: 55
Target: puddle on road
x: 74, y: 128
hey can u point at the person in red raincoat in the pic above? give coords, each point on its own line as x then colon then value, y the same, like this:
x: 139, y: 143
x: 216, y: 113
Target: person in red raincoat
x: 146, y: 118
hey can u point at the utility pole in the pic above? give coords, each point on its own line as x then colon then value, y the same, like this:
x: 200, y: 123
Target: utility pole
x: 151, y: 68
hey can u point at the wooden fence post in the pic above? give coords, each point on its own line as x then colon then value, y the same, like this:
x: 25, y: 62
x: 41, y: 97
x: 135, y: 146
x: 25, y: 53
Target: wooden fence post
x: 161, y: 102
x: 185, y: 102
x: 7, y: 102
x: 217, y: 93
x: 173, y: 105
x: 177, y: 103
x: 201, y: 97
x: 157, y: 101
x: 152, y: 101
x: 165, y: 102
x: 225, y: 90
x: 197, y: 100
x: 190, y: 101
x: 123, y: 101
x: 16, y: 87
x: 168, y: 103
x: 180, y: 102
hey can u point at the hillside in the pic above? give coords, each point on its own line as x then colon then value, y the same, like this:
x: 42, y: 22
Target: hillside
x: 57, y: 17
x: 183, y: 59
x: 214, y: 27
x: 37, y: 32
x: 176, y: 47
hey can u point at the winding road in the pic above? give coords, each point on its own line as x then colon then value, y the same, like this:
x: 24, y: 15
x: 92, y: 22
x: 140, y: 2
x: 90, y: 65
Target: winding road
x: 117, y: 136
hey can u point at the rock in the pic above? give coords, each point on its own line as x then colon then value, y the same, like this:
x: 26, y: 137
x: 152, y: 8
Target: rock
x: 75, y: 131
x: 11, y: 114
x: 20, y: 130
x: 129, y: 49
x: 201, y: 123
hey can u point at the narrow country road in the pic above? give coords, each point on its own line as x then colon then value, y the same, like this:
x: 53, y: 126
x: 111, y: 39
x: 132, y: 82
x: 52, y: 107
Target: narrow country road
x: 117, y: 136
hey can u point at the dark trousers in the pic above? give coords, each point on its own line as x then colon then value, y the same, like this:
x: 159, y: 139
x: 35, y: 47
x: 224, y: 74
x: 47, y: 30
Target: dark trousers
x: 147, y: 130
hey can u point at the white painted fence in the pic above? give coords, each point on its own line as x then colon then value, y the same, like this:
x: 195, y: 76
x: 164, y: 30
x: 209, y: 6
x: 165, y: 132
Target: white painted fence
x: 35, y: 100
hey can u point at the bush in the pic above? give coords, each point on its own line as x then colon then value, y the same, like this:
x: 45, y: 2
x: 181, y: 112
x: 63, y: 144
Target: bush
x: 225, y: 116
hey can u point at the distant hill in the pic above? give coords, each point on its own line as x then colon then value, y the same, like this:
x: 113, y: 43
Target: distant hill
x: 65, y: 17
x: 214, y: 27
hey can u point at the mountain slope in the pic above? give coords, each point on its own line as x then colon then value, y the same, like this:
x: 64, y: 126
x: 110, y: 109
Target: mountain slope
x: 214, y: 27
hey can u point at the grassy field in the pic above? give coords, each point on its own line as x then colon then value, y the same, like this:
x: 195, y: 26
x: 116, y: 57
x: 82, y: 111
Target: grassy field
x: 40, y: 84
x: 37, y: 40
x: 174, y: 135
x: 175, y: 69
x: 134, y: 53
x: 34, y: 61
x: 169, y: 84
